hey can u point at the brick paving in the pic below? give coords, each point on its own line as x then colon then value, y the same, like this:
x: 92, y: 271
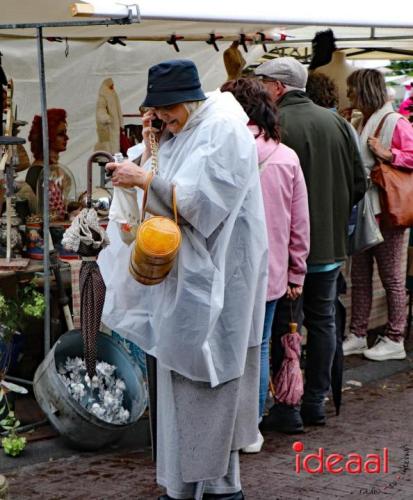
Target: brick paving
x: 376, y: 416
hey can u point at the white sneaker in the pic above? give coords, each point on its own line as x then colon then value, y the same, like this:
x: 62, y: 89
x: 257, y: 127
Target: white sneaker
x: 255, y: 447
x: 354, y: 345
x: 386, y: 349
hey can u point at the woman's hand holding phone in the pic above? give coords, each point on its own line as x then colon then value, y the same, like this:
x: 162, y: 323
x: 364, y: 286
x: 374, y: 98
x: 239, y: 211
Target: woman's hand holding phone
x: 149, y: 122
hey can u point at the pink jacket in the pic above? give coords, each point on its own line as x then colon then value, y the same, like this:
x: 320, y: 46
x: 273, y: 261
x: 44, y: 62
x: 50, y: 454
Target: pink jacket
x: 286, y: 212
x: 402, y: 144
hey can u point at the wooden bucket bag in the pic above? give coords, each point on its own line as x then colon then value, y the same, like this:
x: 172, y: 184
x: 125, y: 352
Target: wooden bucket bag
x: 158, y: 238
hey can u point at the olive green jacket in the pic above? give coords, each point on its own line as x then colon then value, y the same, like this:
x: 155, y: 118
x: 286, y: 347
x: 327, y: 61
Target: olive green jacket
x: 332, y: 169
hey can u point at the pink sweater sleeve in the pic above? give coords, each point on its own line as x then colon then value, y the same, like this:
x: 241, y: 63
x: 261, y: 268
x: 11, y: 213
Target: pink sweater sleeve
x: 402, y: 144
x: 299, y: 245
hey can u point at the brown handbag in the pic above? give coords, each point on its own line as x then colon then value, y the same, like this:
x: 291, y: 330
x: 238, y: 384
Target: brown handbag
x: 395, y: 189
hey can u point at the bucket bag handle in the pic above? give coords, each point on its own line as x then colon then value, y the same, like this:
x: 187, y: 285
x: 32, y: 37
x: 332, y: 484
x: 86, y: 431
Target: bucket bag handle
x: 154, y: 170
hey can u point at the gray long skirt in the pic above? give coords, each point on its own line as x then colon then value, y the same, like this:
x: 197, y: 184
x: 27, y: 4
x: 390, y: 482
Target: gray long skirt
x: 200, y: 430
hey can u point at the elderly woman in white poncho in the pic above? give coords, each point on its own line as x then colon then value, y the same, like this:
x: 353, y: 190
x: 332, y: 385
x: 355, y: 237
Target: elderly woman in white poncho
x: 204, y: 322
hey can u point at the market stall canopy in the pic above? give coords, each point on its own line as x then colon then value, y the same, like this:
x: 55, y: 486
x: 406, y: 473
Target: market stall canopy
x: 295, y: 23
x: 76, y: 68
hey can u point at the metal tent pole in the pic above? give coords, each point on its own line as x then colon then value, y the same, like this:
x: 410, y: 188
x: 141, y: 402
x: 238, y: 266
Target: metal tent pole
x: 132, y: 18
x: 46, y: 174
x: 46, y: 167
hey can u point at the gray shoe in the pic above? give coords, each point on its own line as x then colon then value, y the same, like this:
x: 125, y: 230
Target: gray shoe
x: 354, y: 345
x: 386, y: 349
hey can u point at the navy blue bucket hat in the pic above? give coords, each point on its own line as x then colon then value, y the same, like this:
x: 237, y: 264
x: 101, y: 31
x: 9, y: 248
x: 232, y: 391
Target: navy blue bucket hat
x: 173, y: 82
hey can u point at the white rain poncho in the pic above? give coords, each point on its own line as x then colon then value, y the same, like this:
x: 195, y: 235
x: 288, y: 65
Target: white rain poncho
x: 201, y: 320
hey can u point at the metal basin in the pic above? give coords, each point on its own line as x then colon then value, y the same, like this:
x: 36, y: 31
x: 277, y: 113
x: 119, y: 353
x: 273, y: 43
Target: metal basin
x: 77, y: 426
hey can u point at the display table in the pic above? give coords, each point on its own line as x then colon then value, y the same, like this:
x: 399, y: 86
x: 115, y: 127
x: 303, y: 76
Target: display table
x: 34, y: 267
x: 32, y: 338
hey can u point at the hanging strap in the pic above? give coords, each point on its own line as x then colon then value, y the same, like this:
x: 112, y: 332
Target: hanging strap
x: 145, y: 199
x: 377, y: 133
x: 292, y: 325
x: 154, y: 171
x: 380, y: 125
x: 174, y: 204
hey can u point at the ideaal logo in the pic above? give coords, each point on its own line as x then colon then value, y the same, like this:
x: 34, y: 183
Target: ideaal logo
x: 336, y: 463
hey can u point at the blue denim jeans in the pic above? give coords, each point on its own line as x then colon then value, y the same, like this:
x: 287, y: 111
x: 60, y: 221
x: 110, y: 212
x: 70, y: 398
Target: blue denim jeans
x: 265, y: 355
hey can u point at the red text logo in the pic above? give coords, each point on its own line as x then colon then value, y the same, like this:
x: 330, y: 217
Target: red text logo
x: 336, y: 463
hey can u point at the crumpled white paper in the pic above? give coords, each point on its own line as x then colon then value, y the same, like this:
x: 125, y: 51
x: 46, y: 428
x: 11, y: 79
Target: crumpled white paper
x: 102, y: 396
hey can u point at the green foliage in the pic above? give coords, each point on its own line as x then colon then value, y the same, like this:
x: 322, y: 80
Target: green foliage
x: 33, y: 303
x: 12, y: 443
x: 401, y: 68
x: 9, y: 319
x: 15, y: 312
x: 10, y: 423
x: 13, y: 315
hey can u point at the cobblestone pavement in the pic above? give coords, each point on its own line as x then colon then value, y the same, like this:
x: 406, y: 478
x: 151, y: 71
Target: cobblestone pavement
x: 373, y: 417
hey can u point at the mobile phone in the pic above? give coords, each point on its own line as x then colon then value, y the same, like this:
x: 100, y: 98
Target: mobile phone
x: 157, y: 123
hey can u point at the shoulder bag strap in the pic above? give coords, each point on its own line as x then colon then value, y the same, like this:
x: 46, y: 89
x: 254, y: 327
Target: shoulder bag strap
x: 175, y: 210
x: 380, y: 125
x: 145, y: 199
x: 154, y: 171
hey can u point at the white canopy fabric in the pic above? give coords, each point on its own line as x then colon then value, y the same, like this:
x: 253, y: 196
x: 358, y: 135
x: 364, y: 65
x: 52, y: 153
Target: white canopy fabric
x: 195, y: 20
x: 73, y: 81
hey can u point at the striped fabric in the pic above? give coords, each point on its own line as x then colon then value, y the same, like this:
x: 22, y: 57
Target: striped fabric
x: 74, y: 273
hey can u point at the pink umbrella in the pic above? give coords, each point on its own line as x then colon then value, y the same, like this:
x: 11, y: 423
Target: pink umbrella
x: 288, y: 384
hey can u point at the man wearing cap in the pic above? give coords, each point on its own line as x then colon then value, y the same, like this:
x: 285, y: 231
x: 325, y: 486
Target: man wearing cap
x: 335, y: 182
x: 204, y: 322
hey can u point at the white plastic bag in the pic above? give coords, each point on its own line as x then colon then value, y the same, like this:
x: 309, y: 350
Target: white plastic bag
x: 124, y: 210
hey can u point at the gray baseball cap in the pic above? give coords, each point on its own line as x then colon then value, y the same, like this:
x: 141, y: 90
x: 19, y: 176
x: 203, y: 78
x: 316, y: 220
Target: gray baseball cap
x: 284, y: 69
